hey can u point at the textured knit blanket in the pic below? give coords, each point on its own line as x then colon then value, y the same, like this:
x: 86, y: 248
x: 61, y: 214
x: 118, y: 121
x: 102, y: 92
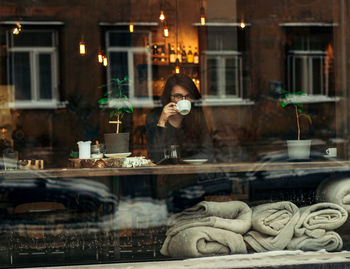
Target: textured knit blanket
x: 233, y: 216
x: 316, y: 219
x: 203, y: 241
x: 335, y: 191
x: 272, y: 226
x: 330, y: 241
x: 208, y: 228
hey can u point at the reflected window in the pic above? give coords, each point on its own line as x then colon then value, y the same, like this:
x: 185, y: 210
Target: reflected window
x: 223, y: 63
x: 130, y: 55
x: 309, y: 66
x: 33, y: 66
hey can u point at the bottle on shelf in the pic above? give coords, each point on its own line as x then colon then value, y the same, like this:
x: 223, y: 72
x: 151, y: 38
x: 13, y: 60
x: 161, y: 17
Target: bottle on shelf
x: 196, y: 56
x: 190, y: 55
x: 183, y: 55
x: 172, y: 55
x: 179, y: 54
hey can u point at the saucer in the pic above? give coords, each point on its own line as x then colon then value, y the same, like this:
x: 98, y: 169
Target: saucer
x: 329, y: 156
x: 118, y: 155
x: 195, y: 161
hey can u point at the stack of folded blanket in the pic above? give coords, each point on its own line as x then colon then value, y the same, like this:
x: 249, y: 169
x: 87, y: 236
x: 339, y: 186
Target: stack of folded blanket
x: 272, y: 226
x: 335, y: 191
x: 212, y: 228
x: 314, y: 229
x: 208, y: 228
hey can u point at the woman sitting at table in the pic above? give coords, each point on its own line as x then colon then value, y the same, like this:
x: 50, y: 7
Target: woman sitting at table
x: 165, y: 126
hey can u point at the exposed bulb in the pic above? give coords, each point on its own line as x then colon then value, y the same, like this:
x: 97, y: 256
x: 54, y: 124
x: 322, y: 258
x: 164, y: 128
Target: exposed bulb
x: 161, y: 16
x: 131, y: 27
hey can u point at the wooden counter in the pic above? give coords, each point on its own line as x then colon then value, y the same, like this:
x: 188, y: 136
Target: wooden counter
x: 177, y: 169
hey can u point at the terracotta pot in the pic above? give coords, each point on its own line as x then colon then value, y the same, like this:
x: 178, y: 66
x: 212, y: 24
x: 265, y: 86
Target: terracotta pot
x: 117, y: 143
x: 299, y: 149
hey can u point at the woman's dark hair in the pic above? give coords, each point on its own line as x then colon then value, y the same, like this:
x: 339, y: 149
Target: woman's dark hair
x: 180, y: 80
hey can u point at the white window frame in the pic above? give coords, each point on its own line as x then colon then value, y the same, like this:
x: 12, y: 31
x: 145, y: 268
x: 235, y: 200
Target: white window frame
x: 131, y: 51
x: 222, y: 98
x: 34, y: 53
x: 307, y: 58
x: 220, y: 57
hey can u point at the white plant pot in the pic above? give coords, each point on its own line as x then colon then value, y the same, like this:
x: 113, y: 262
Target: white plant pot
x: 299, y: 149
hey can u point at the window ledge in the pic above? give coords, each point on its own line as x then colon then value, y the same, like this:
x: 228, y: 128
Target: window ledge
x: 225, y: 101
x: 35, y: 105
x: 311, y: 99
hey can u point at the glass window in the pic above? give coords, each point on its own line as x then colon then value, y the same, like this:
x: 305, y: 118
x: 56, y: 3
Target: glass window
x: 33, y: 66
x: 188, y: 129
x: 309, y: 60
x: 129, y: 55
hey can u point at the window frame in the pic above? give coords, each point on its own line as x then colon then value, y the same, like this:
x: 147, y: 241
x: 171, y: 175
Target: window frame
x: 131, y: 51
x: 34, y: 53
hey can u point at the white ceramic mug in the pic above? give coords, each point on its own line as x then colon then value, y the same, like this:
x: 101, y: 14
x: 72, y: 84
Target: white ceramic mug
x: 331, y: 152
x: 184, y: 107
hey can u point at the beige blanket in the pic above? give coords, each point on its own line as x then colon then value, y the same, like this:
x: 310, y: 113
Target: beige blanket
x: 335, y: 191
x: 272, y: 226
x: 208, y: 228
x: 203, y: 241
x: 233, y: 216
x: 316, y: 219
x: 330, y: 241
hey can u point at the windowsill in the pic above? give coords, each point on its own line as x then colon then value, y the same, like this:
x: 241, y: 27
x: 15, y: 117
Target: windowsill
x: 138, y: 102
x: 36, y: 105
x: 225, y: 101
x: 311, y: 99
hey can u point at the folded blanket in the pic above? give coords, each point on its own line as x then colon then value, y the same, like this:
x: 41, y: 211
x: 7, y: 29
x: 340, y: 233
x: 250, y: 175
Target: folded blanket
x: 335, y: 191
x: 203, y: 241
x: 330, y: 241
x: 233, y: 216
x: 272, y: 226
x: 316, y: 219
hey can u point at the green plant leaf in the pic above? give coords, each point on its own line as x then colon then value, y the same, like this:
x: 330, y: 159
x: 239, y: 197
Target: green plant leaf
x: 102, y: 101
x: 306, y: 116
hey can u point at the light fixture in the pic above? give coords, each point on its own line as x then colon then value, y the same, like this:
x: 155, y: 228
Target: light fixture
x: 100, y: 56
x: 166, y: 31
x: 82, y: 47
x: 16, y: 30
x: 105, y: 61
x: 242, y: 24
x: 202, y: 16
x: 131, y: 27
x: 161, y: 16
x: 177, y: 67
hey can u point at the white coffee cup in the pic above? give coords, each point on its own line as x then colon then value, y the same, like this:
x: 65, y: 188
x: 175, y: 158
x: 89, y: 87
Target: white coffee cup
x: 184, y: 107
x: 331, y: 152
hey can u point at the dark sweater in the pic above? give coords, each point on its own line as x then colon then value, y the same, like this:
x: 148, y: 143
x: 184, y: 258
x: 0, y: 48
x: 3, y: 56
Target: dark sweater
x: 192, y: 136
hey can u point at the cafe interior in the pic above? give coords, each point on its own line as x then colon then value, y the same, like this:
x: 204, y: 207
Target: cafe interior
x: 78, y: 181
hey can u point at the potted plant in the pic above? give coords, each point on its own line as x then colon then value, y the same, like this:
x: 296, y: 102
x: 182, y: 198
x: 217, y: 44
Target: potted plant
x: 116, y: 100
x: 299, y: 148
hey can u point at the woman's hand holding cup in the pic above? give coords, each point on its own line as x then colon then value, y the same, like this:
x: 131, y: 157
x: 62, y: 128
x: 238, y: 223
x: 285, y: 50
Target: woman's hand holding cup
x: 168, y: 110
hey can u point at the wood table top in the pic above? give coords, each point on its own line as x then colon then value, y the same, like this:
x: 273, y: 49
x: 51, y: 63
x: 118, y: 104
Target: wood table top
x: 176, y: 169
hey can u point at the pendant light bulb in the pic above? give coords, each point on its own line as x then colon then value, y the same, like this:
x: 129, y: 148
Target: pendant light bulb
x: 242, y: 24
x: 82, y: 48
x: 161, y: 16
x: 16, y: 30
x: 166, y: 31
x: 100, y: 56
x: 177, y: 67
x: 105, y: 61
x: 202, y: 16
x: 131, y: 27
